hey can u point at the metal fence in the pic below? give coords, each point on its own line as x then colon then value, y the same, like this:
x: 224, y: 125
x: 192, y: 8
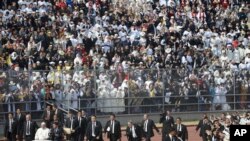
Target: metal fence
x: 122, y: 91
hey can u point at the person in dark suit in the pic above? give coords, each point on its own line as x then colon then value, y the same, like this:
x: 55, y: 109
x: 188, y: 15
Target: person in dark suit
x: 94, y: 130
x: 20, y: 119
x: 58, y: 113
x: 82, y: 124
x: 168, y: 122
x: 181, y: 129
x: 85, y: 116
x: 171, y: 136
x: 56, y: 133
x: 10, y: 128
x: 48, y: 116
x: 148, y: 126
x: 203, y: 125
x: 113, y: 129
x: 29, y: 128
x: 71, y: 123
x: 133, y: 132
x: 56, y: 120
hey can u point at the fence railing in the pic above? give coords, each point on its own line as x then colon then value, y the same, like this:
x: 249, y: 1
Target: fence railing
x: 125, y: 91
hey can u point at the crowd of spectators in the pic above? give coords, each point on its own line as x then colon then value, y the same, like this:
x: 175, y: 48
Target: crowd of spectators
x: 188, y: 51
x: 214, y: 127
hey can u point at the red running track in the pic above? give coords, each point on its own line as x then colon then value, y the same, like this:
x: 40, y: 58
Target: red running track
x: 193, y: 136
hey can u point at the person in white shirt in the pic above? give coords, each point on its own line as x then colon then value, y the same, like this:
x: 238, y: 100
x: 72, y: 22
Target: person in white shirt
x: 42, y: 133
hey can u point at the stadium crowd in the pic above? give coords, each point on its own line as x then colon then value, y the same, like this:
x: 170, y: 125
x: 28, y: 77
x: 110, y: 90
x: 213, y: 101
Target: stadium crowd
x: 189, y: 51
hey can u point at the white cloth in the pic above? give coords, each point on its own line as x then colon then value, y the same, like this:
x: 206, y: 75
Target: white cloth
x: 179, y: 127
x: 10, y: 126
x: 71, y: 123
x: 133, y: 132
x: 120, y: 100
x: 146, y: 126
x: 42, y: 134
x: 167, y: 97
x: 93, y: 129
x: 113, y: 127
x: 80, y: 120
x: 220, y: 95
x: 28, y: 128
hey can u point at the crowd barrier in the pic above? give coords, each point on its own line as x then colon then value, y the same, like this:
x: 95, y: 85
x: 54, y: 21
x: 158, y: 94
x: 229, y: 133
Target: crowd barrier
x: 120, y: 91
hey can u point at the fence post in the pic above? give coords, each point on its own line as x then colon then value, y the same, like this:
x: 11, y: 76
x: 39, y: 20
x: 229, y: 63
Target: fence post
x: 164, y: 88
x: 234, y: 82
x: 128, y: 96
x: 29, y: 87
x: 96, y: 91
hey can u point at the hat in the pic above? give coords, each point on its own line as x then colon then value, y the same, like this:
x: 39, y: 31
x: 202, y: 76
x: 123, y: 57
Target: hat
x: 60, y: 52
x: 3, y: 75
x: 161, y: 15
x: 14, y: 55
x: 11, y: 83
x: 69, y: 36
x: 143, y: 34
x: 168, y: 50
x: 52, y: 63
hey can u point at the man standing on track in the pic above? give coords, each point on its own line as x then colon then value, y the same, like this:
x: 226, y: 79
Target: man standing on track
x: 148, y: 126
x: 168, y: 122
x: 113, y: 129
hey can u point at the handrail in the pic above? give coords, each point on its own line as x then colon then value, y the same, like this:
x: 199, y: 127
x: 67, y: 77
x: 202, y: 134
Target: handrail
x: 58, y: 107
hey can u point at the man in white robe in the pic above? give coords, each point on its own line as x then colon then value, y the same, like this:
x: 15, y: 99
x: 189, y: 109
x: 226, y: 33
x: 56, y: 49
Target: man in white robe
x: 42, y: 133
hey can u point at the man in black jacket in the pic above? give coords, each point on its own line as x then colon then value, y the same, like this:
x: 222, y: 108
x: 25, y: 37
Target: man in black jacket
x: 58, y: 113
x: 10, y: 129
x: 133, y: 132
x: 30, y: 128
x: 181, y: 129
x: 94, y: 130
x: 204, y: 125
x: 82, y: 125
x: 56, y: 133
x: 48, y: 116
x: 168, y: 122
x: 148, y: 126
x: 20, y: 119
x: 71, y: 123
x: 171, y: 136
x: 85, y: 116
x: 113, y: 129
